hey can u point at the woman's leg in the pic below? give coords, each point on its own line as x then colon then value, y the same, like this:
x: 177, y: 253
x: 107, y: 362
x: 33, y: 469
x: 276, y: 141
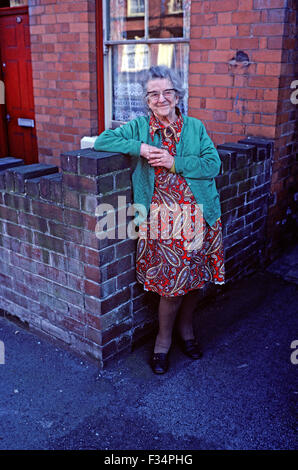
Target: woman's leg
x: 185, y: 318
x: 167, y: 311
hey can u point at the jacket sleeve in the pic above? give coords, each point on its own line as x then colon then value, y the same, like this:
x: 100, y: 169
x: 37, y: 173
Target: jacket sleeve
x: 120, y: 140
x: 204, y: 165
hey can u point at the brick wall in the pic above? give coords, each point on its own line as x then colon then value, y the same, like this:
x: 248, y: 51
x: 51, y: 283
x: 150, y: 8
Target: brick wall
x: 63, y: 47
x: 234, y: 97
x: 237, y: 99
x: 60, y: 280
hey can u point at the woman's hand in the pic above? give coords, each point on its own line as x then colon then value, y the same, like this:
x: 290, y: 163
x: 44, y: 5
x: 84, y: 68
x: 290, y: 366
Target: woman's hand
x: 156, y: 156
x: 161, y: 157
x: 145, y: 150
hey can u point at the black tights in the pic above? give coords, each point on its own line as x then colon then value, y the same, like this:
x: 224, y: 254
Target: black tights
x: 167, y: 313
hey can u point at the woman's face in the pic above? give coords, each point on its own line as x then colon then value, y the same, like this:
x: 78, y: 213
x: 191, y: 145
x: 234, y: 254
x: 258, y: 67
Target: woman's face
x: 162, y: 105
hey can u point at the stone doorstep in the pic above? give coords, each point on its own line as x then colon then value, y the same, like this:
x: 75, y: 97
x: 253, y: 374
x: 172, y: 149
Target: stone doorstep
x: 9, y: 162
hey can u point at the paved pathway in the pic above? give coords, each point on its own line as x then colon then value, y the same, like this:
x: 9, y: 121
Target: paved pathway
x: 241, y: 395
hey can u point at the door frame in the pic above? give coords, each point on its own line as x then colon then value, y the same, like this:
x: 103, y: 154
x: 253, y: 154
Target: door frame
x: 3, y: 127
x: 100, y: 66
x: 6, y: 11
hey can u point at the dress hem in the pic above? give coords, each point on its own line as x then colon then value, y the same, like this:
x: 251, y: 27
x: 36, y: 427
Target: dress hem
x: 190, y: 290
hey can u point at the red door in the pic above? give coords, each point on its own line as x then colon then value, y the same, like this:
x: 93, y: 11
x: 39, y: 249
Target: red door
x: 17, y: 114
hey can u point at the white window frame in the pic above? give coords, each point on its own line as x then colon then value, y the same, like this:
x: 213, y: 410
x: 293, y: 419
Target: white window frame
x: 130, y: 13
x: 107, y: 52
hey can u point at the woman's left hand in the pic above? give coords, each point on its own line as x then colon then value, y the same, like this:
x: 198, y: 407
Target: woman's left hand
x: 160, y: 157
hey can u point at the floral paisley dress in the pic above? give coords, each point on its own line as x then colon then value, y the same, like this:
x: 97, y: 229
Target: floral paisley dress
x: 170, y: 262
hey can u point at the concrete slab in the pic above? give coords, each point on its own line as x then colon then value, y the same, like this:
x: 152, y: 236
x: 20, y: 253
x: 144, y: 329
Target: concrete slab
x: 241, y: 395
x: 286, y: 266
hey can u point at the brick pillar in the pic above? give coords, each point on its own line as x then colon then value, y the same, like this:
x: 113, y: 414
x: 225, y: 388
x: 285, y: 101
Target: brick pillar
x: 283, y: 212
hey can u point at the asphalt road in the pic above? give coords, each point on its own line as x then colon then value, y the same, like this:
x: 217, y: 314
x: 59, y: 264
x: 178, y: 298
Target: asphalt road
x: 241, y: 395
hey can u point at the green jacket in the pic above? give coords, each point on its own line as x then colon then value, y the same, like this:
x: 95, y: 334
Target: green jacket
x: 196, y: 159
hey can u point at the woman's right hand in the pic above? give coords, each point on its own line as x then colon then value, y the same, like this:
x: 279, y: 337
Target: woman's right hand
x: 145, y: 150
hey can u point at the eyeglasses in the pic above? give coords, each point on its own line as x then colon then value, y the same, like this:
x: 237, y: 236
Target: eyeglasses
x: 167, y: 94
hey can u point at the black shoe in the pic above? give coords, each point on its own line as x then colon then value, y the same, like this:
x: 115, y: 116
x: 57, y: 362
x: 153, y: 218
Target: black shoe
x: 159, y: 362
x: 191, y: 348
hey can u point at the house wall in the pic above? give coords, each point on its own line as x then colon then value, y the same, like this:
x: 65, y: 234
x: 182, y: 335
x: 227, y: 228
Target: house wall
x: 63, y: 46
x: 232, y: 98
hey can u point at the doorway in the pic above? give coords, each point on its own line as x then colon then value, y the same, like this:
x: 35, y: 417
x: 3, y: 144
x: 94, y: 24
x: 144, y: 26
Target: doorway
x: 17, y: 118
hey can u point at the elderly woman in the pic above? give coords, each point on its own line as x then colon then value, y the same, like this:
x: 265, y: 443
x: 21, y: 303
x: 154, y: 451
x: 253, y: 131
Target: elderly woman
x: 175, y: 165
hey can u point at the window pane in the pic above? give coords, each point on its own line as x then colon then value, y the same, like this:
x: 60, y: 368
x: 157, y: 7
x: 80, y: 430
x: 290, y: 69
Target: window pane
x: 167, y: 19
x: 126, y: 19
x: 130, y: 62
x: 17, y: 3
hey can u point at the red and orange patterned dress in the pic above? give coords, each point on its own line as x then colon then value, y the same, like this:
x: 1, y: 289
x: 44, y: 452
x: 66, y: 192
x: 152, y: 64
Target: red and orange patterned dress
x: 167, y: 263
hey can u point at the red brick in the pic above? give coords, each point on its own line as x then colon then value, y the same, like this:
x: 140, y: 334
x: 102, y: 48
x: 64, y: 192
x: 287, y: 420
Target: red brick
x: 48, y: 19
x: 47, y: 210
x: 220, y: 115
x: 220, y: 5
x: 244, y: 43
x: 92, y: 273
x: 220, y: 56
x: 263, y: 82
x: 269, y: 119
x: 243, y: 93
x: 223, y: 43
x: 202, y: 19
x: 218, y: 104
x: 221, y: 67
x: 201, y: 91
x: 50, y: 57
x: 91, y: 288
x: 275, y: 42
x: 263, y: 43
x: 36, y: 10
x: 268, y: 29
x: 220, y: 127
x: 194, y: 102
x: 202, y: 44
x: 261, y: 4
x: 217, y: 80
x: 266, y: 56
x: 245, y: 5
x: 224, y: 18
x: 66, y: 17
x: 239, y: 17
x: 196, y: 7
x: 36, y: 30
x: 68, y: 37
x: 79, y: 27
x: 223, y: 31
x: 221, y: 92
x: 261, y: 131
x: 81, y: 66
x: 277, y: 15
x: 244, y: 30
x: 273, y: 69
